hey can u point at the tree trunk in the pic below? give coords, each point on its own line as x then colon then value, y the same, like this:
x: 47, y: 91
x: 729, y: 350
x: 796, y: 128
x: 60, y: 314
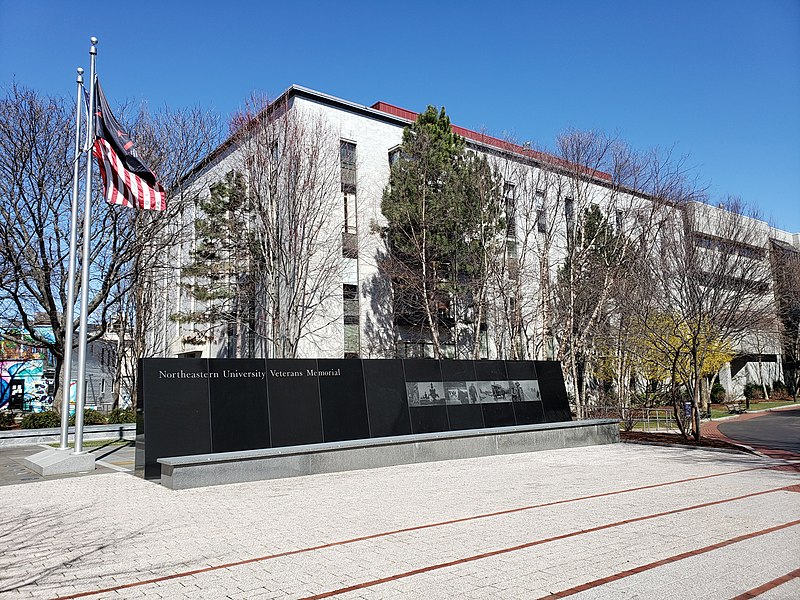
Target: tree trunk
x: 696, y: 398
x: 57, y: 370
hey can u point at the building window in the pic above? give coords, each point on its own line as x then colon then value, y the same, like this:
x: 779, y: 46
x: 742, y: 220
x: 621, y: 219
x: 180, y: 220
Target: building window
x: 349, y: 213
x: 511, y: 249
x: 394, y: 155
x: 425, y: 350
x: 541, y: 212
x: 619, y: 220
x: 569, y: 213
x: 349, y: 244
x: 509, y: 196
x: 510, y: 204
x: 351, y: 337
x: 347, y: 157
x: 274, y: 153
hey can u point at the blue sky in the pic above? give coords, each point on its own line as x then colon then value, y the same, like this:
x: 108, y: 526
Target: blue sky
x: 716, y: 80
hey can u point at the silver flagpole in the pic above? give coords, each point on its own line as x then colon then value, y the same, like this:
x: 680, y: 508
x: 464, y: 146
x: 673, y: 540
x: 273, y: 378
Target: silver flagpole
x: 85, y: 260
x: 69, y: 311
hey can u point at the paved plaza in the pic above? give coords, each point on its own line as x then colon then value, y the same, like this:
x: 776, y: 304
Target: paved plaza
x: 616, y: 521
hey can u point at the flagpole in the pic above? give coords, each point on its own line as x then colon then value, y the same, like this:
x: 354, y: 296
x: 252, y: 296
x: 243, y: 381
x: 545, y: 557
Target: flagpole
x: 69, y: 311
x: 85, y: 260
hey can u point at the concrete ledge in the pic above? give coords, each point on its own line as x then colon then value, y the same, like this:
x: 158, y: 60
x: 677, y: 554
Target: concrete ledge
x: 185, y: 472
x: 30, y: 437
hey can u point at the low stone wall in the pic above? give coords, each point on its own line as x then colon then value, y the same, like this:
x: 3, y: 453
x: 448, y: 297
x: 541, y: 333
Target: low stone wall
x: 201, y: 470
x: 30, y: 437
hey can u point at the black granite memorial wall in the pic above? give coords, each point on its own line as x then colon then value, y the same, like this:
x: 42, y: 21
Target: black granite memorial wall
x: 198, y: 406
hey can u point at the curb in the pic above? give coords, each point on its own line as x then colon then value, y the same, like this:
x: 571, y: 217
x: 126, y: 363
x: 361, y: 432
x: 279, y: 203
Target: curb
x: 29, y: 437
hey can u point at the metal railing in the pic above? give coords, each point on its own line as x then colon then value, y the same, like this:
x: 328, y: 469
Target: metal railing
x: 649, y: 419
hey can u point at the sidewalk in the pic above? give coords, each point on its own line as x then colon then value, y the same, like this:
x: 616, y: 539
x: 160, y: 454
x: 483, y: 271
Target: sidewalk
x: 615, y: 521
x: 109, y: 458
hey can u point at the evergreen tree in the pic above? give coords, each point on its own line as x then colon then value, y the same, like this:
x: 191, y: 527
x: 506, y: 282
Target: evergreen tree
x: 443, y: 211
x: 217, y: 272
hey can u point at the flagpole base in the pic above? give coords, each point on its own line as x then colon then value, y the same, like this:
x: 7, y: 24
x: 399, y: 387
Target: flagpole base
x: 56, y: 461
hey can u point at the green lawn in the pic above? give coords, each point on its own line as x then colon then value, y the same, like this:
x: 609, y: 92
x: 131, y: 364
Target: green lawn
x: 721, y: 411
x: 663, y: 426
x: 665, y: 416
x: 97, y: 443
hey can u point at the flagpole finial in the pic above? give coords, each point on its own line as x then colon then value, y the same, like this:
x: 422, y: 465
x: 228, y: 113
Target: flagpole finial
x: 80, y: 75
x: 93, y: 49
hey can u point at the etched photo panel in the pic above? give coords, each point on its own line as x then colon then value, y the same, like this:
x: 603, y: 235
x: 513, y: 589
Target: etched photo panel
x: 524, y: 390
x: 457, y: 392
x: 463, y: 405
x: 425, y: 393
x: 492, y: 380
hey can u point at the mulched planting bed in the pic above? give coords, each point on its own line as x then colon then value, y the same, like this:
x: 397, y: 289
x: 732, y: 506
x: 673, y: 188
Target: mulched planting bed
x: 676, y: 438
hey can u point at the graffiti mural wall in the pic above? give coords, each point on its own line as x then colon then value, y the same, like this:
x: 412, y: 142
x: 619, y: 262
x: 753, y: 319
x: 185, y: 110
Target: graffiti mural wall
x: 23, y: 385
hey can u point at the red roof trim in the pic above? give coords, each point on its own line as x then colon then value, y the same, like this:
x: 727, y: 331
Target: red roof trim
x: 489, y: 140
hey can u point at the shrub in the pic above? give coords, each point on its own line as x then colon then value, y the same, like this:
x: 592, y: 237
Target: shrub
x: 42, y: 420
x: 7, y: 420
x: 779, y: 391
x: 90, y: 417
x: 122, y: 415
x: 718, y: 393
x: 753, y: 391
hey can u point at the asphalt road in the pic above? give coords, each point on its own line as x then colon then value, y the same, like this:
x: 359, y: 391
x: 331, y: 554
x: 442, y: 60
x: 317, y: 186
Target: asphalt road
x: 777, y: 430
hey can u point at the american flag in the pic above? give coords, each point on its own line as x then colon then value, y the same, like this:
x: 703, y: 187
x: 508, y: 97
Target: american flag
x: 126, y: 179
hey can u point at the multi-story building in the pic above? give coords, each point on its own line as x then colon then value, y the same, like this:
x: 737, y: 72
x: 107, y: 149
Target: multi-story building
x: 334, y: 160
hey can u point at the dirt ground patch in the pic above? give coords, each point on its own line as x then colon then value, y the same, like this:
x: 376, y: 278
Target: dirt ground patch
x: 676, y: 438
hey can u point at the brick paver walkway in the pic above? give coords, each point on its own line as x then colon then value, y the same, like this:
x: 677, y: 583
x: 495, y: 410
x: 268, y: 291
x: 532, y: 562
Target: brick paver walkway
x: 618, y: 521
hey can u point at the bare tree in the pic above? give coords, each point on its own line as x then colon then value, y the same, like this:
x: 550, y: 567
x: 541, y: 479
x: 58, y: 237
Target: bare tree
x: 786, y: 268
x: 708, y: 288
x: 604, y: 219
x: 651, y: 184
x: 282, y: 261
x: 293, y: 161
x: 36, y: 134
x: 172, y: 141
x: 520, y: 273
x: 577, y: 222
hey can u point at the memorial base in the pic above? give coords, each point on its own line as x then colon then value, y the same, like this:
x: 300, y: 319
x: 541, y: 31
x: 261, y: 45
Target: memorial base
x: 202, y: 470
x: 55, y: 461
